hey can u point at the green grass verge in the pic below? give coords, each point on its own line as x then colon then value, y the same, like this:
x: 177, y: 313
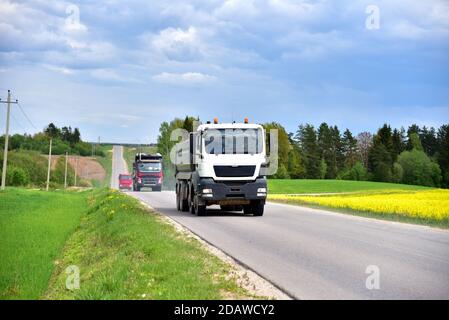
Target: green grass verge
x: 106, y: 163
x: 34, y: 225
x: 123, y: 252
x: 304, y: 186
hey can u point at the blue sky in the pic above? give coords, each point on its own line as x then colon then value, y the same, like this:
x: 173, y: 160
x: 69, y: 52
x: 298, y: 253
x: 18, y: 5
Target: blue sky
x: 117, y: 70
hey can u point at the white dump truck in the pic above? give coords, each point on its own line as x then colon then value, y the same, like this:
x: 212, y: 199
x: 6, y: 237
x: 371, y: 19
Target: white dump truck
x: 221, y: 164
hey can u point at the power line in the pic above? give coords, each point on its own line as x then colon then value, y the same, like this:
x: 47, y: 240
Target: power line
x: 19, y: 123
x: 26, y: 116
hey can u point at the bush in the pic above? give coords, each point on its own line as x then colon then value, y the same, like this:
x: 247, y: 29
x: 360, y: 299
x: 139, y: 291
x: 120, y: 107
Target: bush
x: 83, y: 149
x: 282, y: 173
x: 397, y: 173
x: 59, y: 148
x: 84, y: 183
x: 34, y: 164
x: 57, y: 175
x: 357, y: 173
x: 382, y: 172
x: 419, y: 169
x: 16, y: 177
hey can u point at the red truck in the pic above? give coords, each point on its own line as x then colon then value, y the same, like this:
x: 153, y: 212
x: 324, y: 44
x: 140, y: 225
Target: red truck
x: 125, y: 181
x: 147, y: 172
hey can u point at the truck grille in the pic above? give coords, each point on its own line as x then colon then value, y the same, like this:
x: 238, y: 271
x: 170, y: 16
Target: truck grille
x: 149, y: 180
x: 230, y: 171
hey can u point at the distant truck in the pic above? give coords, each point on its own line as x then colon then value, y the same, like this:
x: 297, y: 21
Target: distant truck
x: 147, y: 172
x: 221, y: 164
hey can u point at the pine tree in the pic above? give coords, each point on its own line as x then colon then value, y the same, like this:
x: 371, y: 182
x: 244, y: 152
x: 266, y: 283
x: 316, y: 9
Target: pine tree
x: 349, y: 149
x: 337, y: 151
x: 307, y: 139
x: 429, y: 140
x: 381, y: 153
x: 52, y: 131
x: 398, y: 142
x: 443, y: 153
x: 325, y: 144
x: 414, y: 128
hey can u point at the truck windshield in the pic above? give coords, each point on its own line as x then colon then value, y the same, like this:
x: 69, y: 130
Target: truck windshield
x: 125, y: 177
x: 149, y: 166
x: 233, y: 141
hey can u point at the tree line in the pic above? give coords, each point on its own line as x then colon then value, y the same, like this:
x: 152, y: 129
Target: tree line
x: 418, y: 155
x: 65, y: 139
x: 413, y: 156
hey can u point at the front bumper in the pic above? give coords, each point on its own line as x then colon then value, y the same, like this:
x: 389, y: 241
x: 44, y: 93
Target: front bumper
x: 232, y: 192
x: 149, y: 185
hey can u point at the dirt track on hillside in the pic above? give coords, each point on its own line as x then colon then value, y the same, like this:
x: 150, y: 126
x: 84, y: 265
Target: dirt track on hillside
x: 88, y: 167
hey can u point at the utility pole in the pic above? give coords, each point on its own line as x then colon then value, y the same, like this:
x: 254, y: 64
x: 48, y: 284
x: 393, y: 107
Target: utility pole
x: 65, y: 174
x: 76, y: 169
x: 5, y: 154
x: 49, y: 165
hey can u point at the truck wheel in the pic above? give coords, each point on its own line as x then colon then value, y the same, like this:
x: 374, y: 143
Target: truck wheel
x: 247, y: 209
x: 183, y: 200
x: 258, y: 208
x: 200, y: 210
x: 137, y: 189
x: 190, y: 202
x: 178, y: 205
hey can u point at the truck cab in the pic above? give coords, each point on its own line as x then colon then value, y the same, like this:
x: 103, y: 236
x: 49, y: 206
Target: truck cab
x: 147, y: 172
x: 220, y: 164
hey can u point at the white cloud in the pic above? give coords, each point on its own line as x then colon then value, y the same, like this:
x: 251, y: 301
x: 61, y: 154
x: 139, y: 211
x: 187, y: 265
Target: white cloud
x: 188, y: 78
x: 233, y: 8
x: 314, y: 46
x: 176, y: 43
x: 65, y: 71
x: 111, y: 75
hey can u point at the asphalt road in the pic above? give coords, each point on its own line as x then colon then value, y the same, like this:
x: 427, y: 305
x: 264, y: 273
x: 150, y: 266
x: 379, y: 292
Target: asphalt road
x: 118, y: 166
x: 316, y: 254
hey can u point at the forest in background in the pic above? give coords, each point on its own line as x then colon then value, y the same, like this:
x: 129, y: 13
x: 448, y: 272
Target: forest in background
x: 416, y: 155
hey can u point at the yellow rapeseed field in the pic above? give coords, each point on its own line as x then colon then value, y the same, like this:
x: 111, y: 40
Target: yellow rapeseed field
x: 429, y: 205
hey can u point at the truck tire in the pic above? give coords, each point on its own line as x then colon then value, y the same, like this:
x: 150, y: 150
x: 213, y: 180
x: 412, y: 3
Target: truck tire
x: 183, y: 198
x: 257, y: 208
x: 200, y: 210
x: 178, y: 205
x: 137, y: 189
x: 190, y: 201
x: 247, y: 209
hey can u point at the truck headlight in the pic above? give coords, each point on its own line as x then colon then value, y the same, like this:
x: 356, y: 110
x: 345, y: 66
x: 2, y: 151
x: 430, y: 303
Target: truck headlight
x: 262, y: 190
x: 207, y: 191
